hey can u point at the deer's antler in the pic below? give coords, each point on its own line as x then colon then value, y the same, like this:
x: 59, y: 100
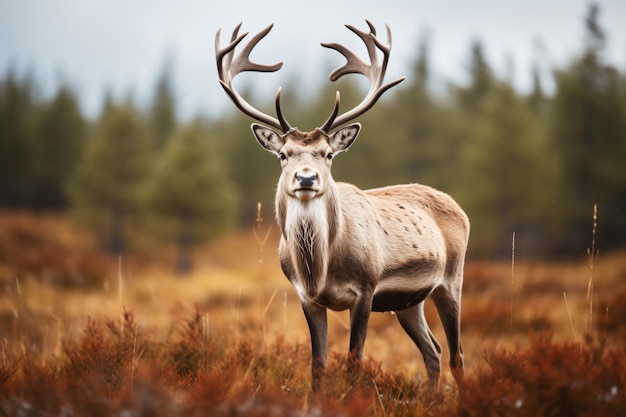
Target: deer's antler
x: 228, y: 66
x: 375, y: 72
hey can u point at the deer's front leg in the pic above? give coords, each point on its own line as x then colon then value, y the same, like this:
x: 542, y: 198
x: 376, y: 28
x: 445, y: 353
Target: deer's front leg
x: 318, y: 327
x: 359, y: 318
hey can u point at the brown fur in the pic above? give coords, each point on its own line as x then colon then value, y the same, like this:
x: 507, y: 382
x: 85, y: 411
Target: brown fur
x: 381, y: 249
x: 344, y: 248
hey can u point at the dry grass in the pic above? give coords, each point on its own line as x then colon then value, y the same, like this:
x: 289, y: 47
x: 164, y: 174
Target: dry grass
x: 230, y: 339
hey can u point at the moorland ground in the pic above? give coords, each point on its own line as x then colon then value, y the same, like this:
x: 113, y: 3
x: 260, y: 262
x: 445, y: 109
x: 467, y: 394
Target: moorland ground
x: 84, y: 333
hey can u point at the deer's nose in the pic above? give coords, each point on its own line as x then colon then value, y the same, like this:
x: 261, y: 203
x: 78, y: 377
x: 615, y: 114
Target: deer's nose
x: 306, y: 180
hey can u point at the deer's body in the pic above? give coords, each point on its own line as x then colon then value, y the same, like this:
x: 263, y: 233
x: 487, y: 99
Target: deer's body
x: 343, y: 248
x: 395, y: 244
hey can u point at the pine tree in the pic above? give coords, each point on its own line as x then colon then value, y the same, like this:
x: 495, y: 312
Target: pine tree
x: 254, y: 173
x: 510, y: 176
x: 588, y: 128
x: 105, y: 189
x: 537, y: 99
x: 481, y: 80
x: 18, y: 110
x: 190, y: 192
x: 429, y: 149
x: 56, y: 148
x: 162, y: 113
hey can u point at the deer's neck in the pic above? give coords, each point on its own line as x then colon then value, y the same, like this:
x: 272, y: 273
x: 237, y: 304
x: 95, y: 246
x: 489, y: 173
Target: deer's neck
x: 309, y: 230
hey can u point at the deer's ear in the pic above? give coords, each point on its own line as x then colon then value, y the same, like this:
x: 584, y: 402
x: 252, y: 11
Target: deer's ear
x: 268, y: 138
x: 344, y: 137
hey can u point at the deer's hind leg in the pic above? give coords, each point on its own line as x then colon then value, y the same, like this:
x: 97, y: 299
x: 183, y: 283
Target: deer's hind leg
x: 414, y: 324
x: 448, y: 302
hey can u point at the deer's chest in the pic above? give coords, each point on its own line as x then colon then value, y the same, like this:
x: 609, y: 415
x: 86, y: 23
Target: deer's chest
x: 335, y: 283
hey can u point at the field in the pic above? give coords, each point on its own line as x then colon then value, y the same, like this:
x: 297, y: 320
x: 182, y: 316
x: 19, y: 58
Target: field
x: 83, y: 334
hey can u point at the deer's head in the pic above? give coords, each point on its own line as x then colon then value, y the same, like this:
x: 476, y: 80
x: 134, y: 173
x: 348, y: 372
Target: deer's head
x: 306, y: 158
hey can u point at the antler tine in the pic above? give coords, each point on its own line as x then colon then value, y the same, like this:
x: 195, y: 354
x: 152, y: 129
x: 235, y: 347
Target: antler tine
x: 225, y: 53
x: 228, y: 66
x: 375, y: 72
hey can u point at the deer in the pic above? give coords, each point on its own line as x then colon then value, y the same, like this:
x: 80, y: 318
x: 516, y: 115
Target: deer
x: 342, y: 248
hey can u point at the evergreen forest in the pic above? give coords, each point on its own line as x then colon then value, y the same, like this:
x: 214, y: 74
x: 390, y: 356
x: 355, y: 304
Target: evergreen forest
x: 533, y: 164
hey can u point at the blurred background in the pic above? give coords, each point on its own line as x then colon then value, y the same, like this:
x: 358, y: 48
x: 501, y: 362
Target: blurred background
x: 131, y: 188
x: 112, y: 119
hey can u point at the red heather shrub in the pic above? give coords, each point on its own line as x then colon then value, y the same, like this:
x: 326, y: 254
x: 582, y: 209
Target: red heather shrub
x: 45, y: 250
x: 549, y: 379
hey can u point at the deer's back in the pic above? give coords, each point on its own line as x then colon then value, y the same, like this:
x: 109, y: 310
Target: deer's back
x: 408, y: 228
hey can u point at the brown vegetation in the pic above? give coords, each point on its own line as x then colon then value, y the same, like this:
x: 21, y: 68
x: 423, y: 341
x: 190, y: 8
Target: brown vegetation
x: 230, y: 339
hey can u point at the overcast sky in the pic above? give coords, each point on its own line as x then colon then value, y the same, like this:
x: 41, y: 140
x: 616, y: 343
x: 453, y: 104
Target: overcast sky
x: 121, y: 45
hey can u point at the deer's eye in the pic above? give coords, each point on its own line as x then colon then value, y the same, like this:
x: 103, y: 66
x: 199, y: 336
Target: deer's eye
x: 282, y: 156
x: 330, y: 156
